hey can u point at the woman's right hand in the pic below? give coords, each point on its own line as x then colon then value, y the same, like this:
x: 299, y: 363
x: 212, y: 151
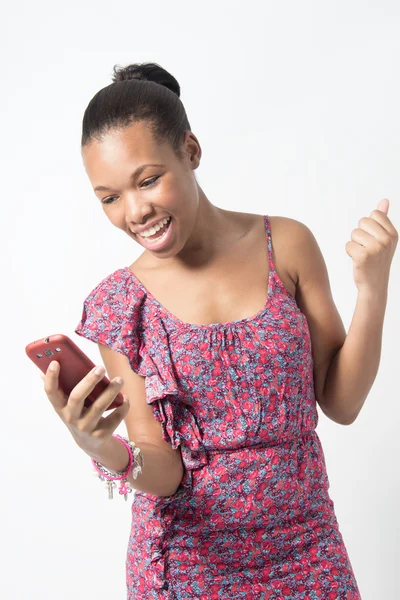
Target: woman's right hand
x: 89, y: 429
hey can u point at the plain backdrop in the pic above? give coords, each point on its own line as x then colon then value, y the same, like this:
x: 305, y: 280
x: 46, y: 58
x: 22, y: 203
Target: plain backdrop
x: 296, y: 107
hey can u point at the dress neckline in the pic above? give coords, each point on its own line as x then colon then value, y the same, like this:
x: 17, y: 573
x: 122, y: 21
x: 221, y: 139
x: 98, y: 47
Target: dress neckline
x: 250, y: 319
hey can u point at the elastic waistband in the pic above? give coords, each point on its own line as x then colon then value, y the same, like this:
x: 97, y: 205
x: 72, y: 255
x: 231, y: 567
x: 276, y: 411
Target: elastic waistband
x: 266, y: 444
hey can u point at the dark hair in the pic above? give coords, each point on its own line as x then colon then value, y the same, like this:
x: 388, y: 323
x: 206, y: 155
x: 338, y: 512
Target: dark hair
x: 139, y: 92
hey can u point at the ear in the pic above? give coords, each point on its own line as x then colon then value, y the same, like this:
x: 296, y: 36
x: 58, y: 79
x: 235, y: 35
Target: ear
x: 192, y: 149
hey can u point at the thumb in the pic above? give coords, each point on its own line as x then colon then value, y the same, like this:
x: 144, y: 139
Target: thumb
x: 383, y: 205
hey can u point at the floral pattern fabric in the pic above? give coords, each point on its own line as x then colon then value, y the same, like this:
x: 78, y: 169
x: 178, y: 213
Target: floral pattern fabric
x: 252, y: 517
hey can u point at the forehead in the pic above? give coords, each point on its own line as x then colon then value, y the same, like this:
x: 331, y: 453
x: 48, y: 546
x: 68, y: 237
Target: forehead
x: 126, y: 148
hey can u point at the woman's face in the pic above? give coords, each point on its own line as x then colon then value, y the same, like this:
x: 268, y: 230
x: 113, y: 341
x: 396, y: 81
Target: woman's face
x: 134, y: 202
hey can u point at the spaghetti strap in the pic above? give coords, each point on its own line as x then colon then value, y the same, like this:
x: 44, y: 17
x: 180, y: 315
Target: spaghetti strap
x: 269, y: 243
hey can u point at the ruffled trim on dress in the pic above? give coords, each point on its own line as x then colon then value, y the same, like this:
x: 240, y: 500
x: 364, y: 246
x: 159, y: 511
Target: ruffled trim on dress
x: 118, y: 314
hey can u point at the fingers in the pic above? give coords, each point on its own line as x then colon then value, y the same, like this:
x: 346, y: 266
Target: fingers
x: 90, y: 420
x: 54, y: 394
x: 110, y: 423
x: 70, y: 407
x: 82, y: 390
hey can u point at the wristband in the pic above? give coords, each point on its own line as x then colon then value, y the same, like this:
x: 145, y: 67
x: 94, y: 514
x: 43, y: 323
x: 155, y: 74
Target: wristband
x: 135, y: 465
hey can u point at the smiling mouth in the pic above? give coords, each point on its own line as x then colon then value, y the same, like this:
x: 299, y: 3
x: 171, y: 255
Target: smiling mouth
x: 158, y: 235
x: 157, y: 230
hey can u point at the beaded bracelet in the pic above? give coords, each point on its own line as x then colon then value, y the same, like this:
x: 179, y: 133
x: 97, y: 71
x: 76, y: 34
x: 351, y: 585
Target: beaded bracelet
x: 110, y: 477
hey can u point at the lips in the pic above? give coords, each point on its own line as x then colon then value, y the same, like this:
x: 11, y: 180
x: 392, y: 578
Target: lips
x: 141, y: 229
x: 160, y: 242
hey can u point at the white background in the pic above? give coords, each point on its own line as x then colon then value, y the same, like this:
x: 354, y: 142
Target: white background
x: 296, y: 107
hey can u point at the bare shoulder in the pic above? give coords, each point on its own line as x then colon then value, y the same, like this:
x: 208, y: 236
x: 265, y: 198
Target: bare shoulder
x: 298, y: 248
x: 288, y: 236
x: 303, y: 256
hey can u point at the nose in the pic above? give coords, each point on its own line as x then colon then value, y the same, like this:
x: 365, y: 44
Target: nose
x: 136, y: 212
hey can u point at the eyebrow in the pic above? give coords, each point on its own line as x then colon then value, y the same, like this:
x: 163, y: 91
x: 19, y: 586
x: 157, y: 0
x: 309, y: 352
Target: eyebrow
x: 135, y: 174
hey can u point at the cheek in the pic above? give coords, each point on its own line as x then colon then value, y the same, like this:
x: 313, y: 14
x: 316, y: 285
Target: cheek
x: 170, y: 196
x: 185, y: 196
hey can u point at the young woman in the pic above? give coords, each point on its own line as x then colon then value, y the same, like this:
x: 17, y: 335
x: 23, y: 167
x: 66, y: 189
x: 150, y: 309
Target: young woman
x: 225, y: 334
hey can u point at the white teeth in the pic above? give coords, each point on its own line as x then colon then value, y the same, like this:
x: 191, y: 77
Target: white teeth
x: 157, y: 227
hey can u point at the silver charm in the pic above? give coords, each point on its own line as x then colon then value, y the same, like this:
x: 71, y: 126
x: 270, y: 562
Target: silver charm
x: 125, y: 487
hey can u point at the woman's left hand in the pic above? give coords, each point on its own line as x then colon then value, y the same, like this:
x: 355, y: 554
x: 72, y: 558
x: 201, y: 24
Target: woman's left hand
x: 372, y: 248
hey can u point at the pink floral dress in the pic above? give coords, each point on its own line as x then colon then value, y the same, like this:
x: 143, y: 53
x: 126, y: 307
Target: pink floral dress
x: 252, y: 517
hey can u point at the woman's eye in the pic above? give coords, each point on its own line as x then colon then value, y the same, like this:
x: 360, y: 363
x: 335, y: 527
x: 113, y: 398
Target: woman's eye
x: 152, y: 180
x: 148, y: 181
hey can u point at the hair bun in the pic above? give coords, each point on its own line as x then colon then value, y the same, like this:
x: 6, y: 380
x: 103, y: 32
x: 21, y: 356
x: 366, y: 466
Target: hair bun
x: 147, y: 72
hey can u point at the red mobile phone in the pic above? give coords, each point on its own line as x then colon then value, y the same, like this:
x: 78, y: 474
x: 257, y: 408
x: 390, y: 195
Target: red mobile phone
x: 74, y: 365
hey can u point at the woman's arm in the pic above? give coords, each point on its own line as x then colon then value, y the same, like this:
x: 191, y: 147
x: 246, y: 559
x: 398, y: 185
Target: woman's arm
x: 163, y: 466
x: 353, y: 369
x: 161, y: 473
x: 345, y: 366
